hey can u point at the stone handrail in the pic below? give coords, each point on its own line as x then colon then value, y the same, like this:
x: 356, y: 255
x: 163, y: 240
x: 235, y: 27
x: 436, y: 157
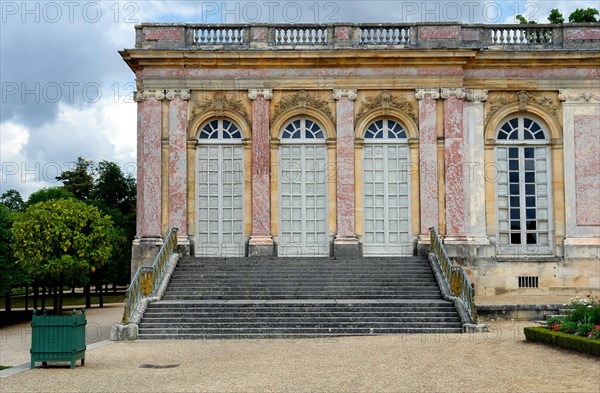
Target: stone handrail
x: 368, y: 36
x: 147, y: 279
x: 455, y: 276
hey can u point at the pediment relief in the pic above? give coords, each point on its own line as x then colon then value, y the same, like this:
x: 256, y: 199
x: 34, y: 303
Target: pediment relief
x: 548, y: 101
x: 302, y: 100
x: 219, y: 103
x: 384, y: 101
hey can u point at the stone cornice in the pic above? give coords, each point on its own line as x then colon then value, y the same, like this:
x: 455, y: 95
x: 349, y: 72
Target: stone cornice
x: 183, y: 93
x: 578, y: 96
x: 459, y: 92
x: 146, y: 94
x: 339, y: 93
x: 421, y: 93
x: 253, y: 94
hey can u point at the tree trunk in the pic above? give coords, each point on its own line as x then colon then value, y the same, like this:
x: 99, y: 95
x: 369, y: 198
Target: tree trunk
x: 27, y: 298
x: 43, y: 298
x: 88, y: 297
x: 7, y: 305
x: 101, y: 300
x: 59, y: 294
x: 36, y: 294
x: 114, y: 287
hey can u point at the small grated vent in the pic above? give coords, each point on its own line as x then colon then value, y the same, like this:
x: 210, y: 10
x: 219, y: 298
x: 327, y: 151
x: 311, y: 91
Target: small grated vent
x: 528, y: 282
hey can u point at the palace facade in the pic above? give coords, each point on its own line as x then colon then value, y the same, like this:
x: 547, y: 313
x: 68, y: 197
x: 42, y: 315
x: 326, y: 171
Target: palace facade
x: 354, y: 140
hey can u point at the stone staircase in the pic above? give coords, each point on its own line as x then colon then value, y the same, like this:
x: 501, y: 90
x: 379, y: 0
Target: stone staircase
x: 299, y: 297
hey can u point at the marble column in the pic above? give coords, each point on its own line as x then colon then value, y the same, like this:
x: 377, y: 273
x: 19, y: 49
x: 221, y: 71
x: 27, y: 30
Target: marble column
x: 474, y: 138
x: 454, y: 164
x: 149, y: 145
x: 428, y: 164
x: 345, y: 242
x: 581, y: 128
x: 149, y: 163
x: 178, y: 118
x: 261, y: 240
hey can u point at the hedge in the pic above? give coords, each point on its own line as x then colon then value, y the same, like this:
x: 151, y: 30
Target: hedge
x: 563, y: 340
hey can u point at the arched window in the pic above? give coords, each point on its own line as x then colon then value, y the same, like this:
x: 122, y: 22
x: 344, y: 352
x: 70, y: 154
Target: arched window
x: 523, y: 187
x: 303, y: 190
x: 219, y: 190
x: 386, y: 190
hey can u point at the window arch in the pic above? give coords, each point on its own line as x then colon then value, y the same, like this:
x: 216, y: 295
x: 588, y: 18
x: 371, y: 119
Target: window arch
x: 219, y: 129
x: 523, y: 187
x: 302, y: 130
x: 385, y: 129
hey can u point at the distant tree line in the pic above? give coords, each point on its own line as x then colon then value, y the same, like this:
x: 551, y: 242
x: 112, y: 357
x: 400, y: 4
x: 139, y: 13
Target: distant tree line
x: 75, y: 235
x: 580, y: 15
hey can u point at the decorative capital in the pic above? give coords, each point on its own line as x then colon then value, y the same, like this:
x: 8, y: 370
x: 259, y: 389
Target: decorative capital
x: 266, y: 93
x: 146, y: 94
x: 447, y: 92
x: 183, y: 93
x: 339, y: 93
x: 421, y: 93
x: 577, y: 96
x: 476, y: 95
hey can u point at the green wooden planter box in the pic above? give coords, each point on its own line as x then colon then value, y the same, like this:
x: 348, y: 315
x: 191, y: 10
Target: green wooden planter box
x: 57, y: 338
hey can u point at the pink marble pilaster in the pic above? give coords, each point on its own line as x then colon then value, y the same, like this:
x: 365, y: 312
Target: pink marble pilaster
x: 428, y: 165
x: 261, y: 195
x: 454, y: 162
x: 178, y: 113
x: 587, y: 167
x: 149, y: 163
x: 345, y: 165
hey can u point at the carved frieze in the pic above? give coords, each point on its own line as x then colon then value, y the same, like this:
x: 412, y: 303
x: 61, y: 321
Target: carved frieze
x: 578, y: 96
x: 183, y: 93
x: 384, y: 101
x: 146, y: 94
x: 523, y: 98
x: 302, y: 100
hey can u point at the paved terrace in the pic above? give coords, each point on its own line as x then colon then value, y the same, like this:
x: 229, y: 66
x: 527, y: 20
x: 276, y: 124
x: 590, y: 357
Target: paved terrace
x: 367, y: 36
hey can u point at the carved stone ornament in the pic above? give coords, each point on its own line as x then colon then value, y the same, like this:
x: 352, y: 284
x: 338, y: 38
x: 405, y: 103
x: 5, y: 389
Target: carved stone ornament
x: 384, y: 101
x: 302, y: 100
x: 421, y: 93
x: 183, y: 93
x: 577, y: 96
x: 476, y: 95
x: 458, y: 92
x: 523, y: 98
x: 219, y: 103
x: 253, y: 94
x: 339, y: 93
x: 146, y: 94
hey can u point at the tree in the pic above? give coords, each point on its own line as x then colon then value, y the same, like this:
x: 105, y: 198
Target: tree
x: 583, y: 16
x: 113, y: 189
x: 521, y: 19
x: 58, y: 239
x: 11, y: 275
x: 12, y: 200
x: 48, y: 194
x: 556, y: 17
x: 79, y: 181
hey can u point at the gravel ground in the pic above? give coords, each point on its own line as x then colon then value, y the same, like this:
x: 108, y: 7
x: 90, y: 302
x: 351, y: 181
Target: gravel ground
x: 498, y: 361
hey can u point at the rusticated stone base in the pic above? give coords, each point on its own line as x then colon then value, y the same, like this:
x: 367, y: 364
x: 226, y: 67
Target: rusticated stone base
x: 143, y: 252
x: 261, y: 246
x: 346, y: 248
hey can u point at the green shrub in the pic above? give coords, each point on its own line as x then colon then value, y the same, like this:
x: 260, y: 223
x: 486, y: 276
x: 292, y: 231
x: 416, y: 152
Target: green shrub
x: 563, y: 340
x: 584, y: 329
x: 552, y: 320
x: 568, y: 327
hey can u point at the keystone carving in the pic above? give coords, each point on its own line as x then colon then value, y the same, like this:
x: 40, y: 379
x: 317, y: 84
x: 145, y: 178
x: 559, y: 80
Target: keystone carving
x: 523, y: 98
x: 219, y: 103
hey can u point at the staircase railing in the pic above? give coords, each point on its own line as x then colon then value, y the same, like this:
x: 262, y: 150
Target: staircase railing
x: 147, y: 278
x: 455, y: 276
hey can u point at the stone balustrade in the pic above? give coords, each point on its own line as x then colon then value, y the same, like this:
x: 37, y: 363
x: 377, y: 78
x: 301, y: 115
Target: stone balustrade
x: 367, y: 36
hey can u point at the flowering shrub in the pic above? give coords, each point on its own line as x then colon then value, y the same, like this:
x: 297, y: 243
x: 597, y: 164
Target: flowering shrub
x: 583, y: 318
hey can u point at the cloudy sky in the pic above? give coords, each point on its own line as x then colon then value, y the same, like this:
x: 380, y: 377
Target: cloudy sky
x: 67, y: 93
